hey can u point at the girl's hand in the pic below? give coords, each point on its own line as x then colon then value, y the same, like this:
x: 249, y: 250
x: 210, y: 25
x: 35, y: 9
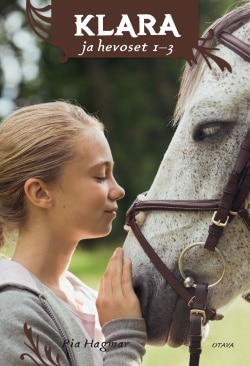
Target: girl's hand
x: 116, y: 296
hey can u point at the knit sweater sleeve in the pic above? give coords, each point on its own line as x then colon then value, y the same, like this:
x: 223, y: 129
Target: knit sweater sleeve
x: 125, y: 342
x: 28, y: 335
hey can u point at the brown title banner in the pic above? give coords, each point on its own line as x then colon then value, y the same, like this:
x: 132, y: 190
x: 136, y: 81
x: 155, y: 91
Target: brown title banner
x: 108, y: 28
x: 121, y: 29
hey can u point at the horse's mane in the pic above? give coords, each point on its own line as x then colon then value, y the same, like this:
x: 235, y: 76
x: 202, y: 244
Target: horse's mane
x: 192, y: 74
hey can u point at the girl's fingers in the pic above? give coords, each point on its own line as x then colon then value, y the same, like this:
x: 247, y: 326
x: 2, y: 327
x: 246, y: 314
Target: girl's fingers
x: 116, y: 271
x: 116, y: 297
x: 126, y: 282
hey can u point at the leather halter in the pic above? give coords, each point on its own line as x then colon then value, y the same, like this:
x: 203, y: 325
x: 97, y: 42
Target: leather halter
x: 230, y: 41
x: 231, y: 204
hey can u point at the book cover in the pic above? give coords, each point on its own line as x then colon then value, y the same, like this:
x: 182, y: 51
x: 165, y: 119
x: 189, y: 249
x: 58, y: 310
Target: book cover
x: 122, y: 61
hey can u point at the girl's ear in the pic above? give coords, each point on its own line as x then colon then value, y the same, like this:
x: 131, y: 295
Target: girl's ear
x: 37, y: 192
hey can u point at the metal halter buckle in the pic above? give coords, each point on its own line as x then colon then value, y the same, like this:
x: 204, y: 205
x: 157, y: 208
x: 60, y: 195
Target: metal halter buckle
x: 218, y: 222
x: 198, y: 311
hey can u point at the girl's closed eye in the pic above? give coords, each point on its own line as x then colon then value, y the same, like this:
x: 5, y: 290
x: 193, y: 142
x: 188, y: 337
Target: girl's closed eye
x: 101, y: 179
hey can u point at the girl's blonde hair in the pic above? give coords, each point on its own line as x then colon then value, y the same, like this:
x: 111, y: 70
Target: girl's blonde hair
x: 36, y: 142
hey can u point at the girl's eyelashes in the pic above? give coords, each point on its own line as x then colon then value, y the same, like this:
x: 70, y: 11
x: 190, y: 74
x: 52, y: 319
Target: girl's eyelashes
x: 101, y: 179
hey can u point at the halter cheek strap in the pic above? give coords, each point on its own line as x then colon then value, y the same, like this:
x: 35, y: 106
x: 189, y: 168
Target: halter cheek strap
x: 197, y: 319
x: 235, y: 44
x: 234, y: 196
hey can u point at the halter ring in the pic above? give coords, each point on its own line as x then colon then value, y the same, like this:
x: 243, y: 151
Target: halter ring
x: 201, y: 244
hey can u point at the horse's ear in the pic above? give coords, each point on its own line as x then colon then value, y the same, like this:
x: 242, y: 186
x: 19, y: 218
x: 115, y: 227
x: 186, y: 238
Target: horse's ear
x: 246, y: 296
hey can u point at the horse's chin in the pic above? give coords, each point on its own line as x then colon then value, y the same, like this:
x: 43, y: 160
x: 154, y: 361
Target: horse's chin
x: 177, y: 331
x: 167, y: 316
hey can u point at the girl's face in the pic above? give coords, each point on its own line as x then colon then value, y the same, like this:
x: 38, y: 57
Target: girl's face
x: 84, y: 198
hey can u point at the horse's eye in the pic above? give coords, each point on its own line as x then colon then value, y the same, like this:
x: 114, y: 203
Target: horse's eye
x: 208, y: 130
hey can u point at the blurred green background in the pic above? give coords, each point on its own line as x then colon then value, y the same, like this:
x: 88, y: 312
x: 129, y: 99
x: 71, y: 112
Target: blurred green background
x: 135, y: 98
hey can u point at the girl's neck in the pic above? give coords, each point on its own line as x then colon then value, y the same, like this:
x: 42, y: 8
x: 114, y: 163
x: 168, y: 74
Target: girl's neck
x: 45, y: 257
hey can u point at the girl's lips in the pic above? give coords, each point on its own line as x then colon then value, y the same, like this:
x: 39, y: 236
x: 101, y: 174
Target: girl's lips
x: 112, y: 212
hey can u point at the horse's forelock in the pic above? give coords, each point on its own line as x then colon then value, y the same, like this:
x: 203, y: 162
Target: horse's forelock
x: 192, y: 74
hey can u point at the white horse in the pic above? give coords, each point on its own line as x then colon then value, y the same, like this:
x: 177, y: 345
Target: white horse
x: 214, y: 116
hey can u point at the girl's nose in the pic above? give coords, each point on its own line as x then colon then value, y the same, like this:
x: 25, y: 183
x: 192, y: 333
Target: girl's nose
x: 121, y: 192
x: 116, y: 192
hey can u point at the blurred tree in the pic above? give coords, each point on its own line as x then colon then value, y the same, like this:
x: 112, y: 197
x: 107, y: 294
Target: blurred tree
x: 135, y: 98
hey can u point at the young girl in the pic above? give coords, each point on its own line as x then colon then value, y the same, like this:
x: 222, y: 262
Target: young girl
x: 57, y: 188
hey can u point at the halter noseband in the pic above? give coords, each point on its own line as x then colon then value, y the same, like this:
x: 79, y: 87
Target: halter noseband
x: 232, y: 203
